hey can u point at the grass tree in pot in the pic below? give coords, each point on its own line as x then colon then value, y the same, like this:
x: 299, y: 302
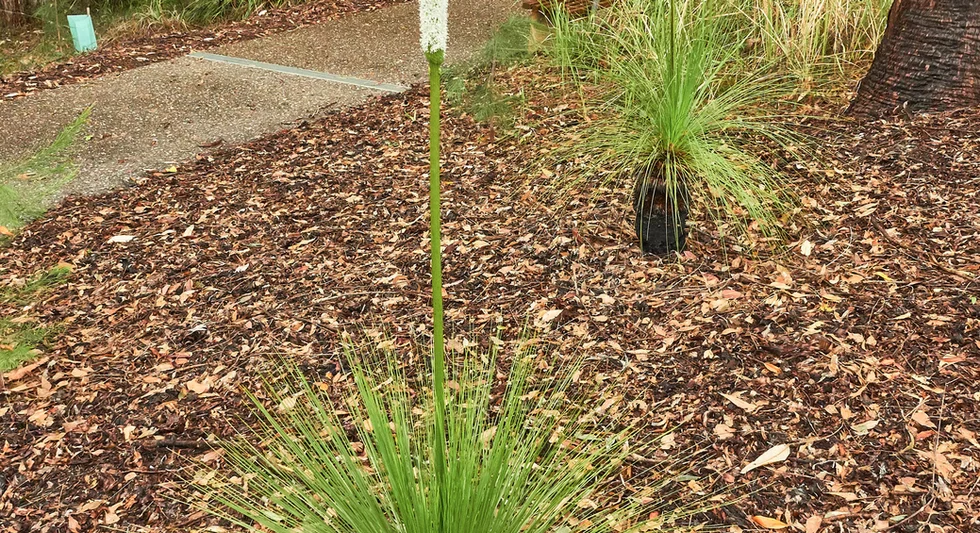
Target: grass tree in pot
x: 681, y: 114
x: 430, y: 455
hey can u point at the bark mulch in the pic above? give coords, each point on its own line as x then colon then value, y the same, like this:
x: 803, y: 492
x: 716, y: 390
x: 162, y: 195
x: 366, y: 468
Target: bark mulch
x: 856, y: 347
x: 152, y: 46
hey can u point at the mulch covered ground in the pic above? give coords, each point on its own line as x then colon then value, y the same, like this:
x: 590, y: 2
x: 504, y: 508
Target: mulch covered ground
x: 856, y: 346
x: 152, y: 45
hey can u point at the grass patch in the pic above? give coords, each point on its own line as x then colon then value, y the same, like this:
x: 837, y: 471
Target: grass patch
x: 28, y: 186
x: 19, y: 342
x: 30, y: 51
x: 817, y: 42
x: 484, y: 101
x: 21, y: 337
x: 509, y: 44
x: 470, y: 87
x: 36, y: 286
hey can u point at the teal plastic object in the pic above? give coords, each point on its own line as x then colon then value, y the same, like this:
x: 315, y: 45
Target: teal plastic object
x: 82, y: 32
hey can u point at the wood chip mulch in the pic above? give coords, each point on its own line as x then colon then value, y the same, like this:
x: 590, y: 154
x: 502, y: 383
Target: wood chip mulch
x: 857, y: 346
x: 153, y: 46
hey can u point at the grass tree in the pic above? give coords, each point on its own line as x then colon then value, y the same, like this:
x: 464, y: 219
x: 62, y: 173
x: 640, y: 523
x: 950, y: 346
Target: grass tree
x: 421, y: 456
x: 683, y: 119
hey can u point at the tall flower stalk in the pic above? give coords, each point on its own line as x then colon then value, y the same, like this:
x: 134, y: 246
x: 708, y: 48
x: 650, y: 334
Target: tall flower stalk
x: 434, y: 29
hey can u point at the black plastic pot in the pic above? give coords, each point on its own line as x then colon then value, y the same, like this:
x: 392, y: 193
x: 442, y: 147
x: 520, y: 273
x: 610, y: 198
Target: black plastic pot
x: 660, y: 219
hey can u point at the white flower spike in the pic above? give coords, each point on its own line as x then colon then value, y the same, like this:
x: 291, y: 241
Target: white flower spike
x: 434, y: 24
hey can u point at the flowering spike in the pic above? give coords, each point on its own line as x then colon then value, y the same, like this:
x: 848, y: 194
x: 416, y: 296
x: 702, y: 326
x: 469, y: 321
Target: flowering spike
x: 434, y: 25
x: 433, y: 22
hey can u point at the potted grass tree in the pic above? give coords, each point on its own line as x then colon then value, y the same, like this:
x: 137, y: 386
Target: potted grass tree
x: 682, y: 115
x: 420, y: 456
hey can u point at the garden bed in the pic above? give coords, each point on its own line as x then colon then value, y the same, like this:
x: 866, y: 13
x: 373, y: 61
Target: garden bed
x: 153, y: 45
x: 857, y: 345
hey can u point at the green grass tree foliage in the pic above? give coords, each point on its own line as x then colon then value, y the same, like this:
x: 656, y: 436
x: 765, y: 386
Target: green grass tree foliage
x: 677, y: 106
x: 430, y: 455
x: 527, y: 463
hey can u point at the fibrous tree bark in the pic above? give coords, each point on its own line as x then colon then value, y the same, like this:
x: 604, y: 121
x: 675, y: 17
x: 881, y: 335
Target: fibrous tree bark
x: 16, y: 12
x: 928, y: 59
x: 10, y: 12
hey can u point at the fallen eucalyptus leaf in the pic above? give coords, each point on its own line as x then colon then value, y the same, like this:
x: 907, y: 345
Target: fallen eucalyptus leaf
x: 769, y: 523
x: 776, y: 454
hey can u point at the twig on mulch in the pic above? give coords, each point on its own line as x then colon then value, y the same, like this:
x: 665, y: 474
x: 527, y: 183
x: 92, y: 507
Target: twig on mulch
x: 177, y: 444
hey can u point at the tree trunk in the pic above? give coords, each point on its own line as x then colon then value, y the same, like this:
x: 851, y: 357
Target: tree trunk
x: 928, y: 60
x: 15, y: 13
